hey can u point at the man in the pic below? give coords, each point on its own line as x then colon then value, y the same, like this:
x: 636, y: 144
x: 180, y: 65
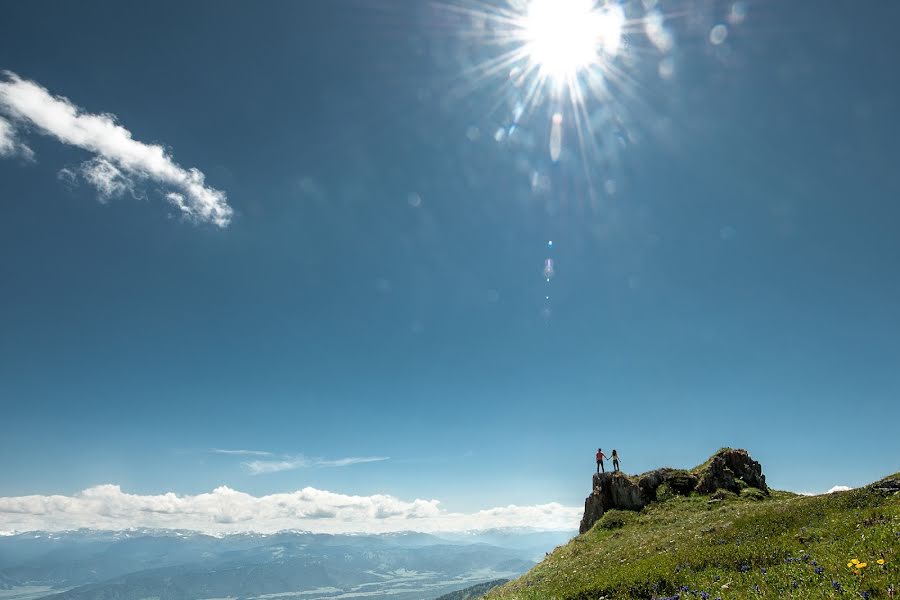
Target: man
x: 600, y: 457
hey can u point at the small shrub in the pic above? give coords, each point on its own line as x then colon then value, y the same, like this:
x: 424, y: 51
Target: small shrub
x: 753, y: 494
x: 616, y: 519
x: 664, y: 492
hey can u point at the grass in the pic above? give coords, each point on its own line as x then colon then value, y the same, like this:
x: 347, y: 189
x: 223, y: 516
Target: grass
x: 746, y: 545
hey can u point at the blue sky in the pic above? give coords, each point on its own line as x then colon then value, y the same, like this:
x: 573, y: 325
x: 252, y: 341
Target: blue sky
x: 725, y: 266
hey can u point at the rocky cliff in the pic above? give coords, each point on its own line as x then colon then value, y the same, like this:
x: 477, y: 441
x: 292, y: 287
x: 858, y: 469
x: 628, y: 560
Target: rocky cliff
x: 727, y: 469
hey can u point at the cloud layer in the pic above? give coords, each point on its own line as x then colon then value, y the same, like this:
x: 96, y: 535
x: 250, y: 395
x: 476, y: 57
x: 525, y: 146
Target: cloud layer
x: 120, y: 163
x: 225, y: 510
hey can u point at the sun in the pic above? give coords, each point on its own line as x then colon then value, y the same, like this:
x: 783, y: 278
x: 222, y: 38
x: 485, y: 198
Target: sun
x: 564, y: 37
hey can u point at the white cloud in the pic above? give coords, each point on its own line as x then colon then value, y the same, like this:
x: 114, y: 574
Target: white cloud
x: 7, y: 137
x: 9, y: 144
x: 226, y: 510
x: 262, y: 467
x: 346, y: 462
x: 109, y: 180
x: 119, y: 159
x: 240, y: 452
x: 837, y: 488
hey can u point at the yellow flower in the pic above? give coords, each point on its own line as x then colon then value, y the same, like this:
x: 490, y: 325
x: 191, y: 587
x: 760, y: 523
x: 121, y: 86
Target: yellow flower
x: 849, y: 565
x: 862, y: 565
x: 855, y: 561
x: 880, y: 561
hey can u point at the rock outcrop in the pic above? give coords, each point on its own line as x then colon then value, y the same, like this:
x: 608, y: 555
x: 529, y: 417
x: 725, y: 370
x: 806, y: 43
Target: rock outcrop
x: 727, y: 469
x: 678, y: 481
x: 888, y: 485
x: 610, y: 490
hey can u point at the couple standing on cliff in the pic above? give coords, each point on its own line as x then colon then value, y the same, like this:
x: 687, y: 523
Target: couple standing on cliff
x: 601, y: 456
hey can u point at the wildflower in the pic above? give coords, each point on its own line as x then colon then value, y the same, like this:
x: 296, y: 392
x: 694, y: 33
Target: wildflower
x: 880, y: 561
x: 836, y: 585
x: 745, y: 568
x: 850, y: 565
x: 862, y: 565
x: 865, y: 595
x: 819, y: 570
x: 855, y: 561
x: 704, y: 595
x: 762, y: 570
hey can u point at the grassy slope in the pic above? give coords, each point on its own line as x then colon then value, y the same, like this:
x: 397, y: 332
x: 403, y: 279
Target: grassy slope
x: 727, y: 549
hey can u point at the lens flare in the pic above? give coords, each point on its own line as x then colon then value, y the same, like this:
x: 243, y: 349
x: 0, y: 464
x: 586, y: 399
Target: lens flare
x: 564, y: 37
x: 571, y: 57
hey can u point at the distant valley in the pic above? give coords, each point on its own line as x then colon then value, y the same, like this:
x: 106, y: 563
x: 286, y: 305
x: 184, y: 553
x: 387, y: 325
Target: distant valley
x: 183, y: 565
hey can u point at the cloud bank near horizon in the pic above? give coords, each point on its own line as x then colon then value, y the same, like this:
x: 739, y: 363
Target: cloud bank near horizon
x: 120, y: 164
x: 225, y: 510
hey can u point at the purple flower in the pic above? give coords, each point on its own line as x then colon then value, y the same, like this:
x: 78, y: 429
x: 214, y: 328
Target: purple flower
x: 819, y: 570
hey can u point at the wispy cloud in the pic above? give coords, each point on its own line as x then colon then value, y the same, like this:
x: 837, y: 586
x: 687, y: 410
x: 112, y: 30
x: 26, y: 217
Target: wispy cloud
x: 240, y: 452
x: 120, y: 163
x: 226, y: 510
x: 352, y: 460
x: 262, y: 467
x: 9, y: 144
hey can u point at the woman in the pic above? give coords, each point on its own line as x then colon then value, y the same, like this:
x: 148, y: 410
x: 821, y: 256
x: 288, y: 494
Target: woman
x: 615, y: 458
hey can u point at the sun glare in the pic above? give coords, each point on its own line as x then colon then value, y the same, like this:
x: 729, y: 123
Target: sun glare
x: 563, y: 37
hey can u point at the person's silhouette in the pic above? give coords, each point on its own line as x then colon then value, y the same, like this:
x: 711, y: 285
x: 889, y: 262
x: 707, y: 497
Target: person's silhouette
x: 615, y: 458
x: 600, y: 457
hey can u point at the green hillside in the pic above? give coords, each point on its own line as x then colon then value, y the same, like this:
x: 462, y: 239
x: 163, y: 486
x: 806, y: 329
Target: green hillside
x: 745, y: 545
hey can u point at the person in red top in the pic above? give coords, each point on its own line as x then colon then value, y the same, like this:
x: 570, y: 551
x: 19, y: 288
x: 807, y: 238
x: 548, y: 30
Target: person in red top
x: 600, y: 457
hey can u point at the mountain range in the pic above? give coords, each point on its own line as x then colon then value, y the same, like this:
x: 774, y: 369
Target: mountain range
x: 185, y: 565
